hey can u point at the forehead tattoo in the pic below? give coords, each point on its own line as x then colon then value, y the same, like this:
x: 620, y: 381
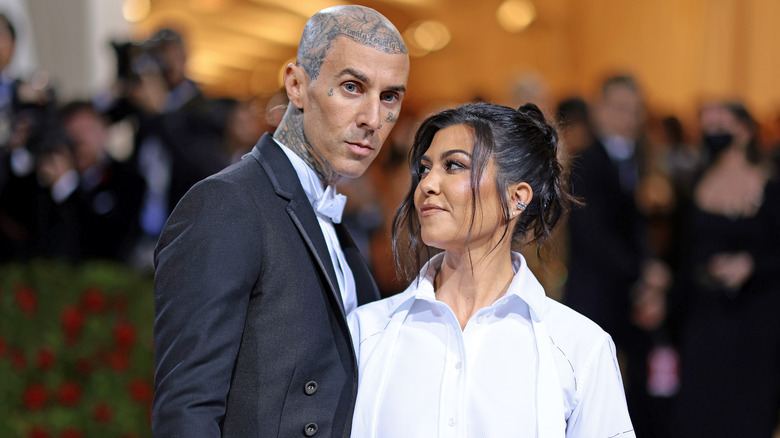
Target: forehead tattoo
x: 363, y: 25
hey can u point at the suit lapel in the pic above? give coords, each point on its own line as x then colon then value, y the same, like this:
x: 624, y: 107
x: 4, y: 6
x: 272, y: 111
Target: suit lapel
x: 365, y: 286
x: 286, y: 184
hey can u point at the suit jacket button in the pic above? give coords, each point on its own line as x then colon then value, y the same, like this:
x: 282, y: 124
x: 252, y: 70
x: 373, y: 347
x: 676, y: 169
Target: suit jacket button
x: 310, y: 388
x: 310, y: 429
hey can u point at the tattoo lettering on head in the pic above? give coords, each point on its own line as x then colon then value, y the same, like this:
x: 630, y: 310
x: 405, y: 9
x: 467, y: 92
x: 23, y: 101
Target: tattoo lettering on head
x: 330, y: 93
x: 363, y: 25
x: 391, y: 118
x: 290, y: 133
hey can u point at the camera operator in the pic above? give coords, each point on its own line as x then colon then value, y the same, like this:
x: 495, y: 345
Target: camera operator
x: 179, y: 137
x: 23, y: 110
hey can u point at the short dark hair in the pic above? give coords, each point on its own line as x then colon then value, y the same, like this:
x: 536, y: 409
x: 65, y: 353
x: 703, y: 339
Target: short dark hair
x: 524, y: 148
x: 743, y: 115
x: 9, y: 26
x: 619, y: 80
x: 75, y: 107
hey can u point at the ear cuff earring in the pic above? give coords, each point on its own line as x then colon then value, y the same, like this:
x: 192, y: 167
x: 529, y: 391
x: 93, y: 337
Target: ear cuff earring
x: 521, y: 205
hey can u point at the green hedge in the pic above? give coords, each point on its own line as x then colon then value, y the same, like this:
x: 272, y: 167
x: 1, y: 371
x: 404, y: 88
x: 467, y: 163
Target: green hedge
x: 75, y: 350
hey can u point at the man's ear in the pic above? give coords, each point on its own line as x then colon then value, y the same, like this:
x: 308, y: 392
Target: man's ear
x: 295, y: 80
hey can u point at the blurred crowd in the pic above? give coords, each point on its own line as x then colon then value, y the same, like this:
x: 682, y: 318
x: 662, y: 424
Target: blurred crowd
x: 674, y: 251
x: 97, y: 178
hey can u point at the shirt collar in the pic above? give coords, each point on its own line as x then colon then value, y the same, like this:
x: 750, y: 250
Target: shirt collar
x: 309, y: 180
x: 326, y: 201
x: 524, y: 285
x: 617, y: 147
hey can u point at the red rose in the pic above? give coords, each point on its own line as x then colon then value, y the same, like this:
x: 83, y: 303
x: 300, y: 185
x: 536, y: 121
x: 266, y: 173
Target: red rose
x: 45, y: 358
x: 34, y: 397
x: 124, y: 334
x: 38, y: 432
x: 3, y: 346
x: 140, y: 391
x: 118, y: 360
x: 71, y: 432
x: 69, y: 394
x: 72, y: 322
x: 17, y: 359
x: 103, y: 413
x: 26, y: 300
x: 94, y: 300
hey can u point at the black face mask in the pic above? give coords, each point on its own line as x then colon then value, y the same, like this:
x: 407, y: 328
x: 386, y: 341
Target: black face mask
x: 716, y: 143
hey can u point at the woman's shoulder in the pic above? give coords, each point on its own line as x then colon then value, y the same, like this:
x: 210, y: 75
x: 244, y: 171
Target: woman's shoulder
x: 573, y: 333
x: 375, y: 315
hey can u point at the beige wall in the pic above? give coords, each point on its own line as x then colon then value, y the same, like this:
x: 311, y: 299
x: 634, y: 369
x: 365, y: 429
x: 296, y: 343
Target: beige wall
x: 681, y: 51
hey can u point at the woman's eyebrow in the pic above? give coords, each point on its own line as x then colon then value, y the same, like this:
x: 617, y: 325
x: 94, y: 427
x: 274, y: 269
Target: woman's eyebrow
x: 455, y: 151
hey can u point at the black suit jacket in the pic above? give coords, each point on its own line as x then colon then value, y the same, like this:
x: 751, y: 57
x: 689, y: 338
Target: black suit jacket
x: 250, y: 333
x: 607, y: 242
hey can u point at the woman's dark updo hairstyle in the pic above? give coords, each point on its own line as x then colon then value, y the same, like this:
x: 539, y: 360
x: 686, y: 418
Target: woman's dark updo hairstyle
x: 524, y: 148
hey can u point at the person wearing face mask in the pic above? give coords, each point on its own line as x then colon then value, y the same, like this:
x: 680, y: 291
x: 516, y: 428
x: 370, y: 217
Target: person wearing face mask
x: 728, y: 287
x: 474, y: 347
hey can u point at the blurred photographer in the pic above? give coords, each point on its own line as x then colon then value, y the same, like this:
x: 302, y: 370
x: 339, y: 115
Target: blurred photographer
x: 23, y: 112
x: 179, y: 136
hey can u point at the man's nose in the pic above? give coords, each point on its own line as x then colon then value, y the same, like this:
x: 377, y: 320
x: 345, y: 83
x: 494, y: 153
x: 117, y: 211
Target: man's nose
x: 369, y: 116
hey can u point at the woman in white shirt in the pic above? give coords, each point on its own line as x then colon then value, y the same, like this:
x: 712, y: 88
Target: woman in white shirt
x: 474, y: 348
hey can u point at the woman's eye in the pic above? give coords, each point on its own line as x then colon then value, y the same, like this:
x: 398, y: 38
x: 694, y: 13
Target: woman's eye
x: 453, y: 165
x: 423, y: 169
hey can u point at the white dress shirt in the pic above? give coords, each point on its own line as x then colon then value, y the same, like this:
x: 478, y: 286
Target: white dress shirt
x: 525, y: 366
x: 314, y: 191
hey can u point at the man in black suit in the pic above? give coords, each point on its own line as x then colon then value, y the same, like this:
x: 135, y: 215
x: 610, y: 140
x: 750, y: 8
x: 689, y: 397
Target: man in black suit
x: 613, y: 277
x: 254, y: 272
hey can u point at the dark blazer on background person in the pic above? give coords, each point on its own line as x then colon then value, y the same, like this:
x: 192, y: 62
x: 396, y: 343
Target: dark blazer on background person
x: 250, y: 333
x: 606, y: 242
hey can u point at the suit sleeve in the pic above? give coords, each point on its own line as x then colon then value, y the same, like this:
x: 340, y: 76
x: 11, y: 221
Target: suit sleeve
x: 207, y: 263
x: 593, y: 225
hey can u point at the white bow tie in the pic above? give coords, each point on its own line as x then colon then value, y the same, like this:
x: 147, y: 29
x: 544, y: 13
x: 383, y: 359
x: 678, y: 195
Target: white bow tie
x: 331, y: 204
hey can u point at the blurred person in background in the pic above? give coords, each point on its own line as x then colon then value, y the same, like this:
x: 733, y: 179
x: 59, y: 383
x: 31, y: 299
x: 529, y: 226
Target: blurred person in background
x: 91, y: 203
x: 574, y: 122
x: 728, y: 288
x: 109, y: 192
x: 613, y: 278
x: 24, y: 115
x: 180, y: 135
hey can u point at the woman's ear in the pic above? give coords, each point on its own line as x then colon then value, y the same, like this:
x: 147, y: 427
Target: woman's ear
x: 520, y: 196
x: 295, y: 80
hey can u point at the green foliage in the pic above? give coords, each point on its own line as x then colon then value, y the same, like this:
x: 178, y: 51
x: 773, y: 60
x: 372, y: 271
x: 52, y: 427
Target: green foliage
x: 75, y: 350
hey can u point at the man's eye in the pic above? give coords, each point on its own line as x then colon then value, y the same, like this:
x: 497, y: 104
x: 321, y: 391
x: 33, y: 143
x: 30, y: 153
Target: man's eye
x: 351, y: 88
x: 389, y: 97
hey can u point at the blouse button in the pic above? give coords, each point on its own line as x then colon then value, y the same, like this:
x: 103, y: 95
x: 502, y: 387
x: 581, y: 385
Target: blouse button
x: 458, y: 365
x: 451, y: 422
x: 310, y: 429
x: 310, y: 388
x: 480, y: 319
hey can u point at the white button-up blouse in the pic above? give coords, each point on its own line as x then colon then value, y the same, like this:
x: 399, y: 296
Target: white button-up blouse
x: 526, y: 366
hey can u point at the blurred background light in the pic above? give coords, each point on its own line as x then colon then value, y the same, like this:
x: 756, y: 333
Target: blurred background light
x: 136, y: 10
x: 516, y: 15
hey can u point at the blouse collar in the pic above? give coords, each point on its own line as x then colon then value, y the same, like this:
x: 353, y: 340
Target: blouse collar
x: 524, y: 285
